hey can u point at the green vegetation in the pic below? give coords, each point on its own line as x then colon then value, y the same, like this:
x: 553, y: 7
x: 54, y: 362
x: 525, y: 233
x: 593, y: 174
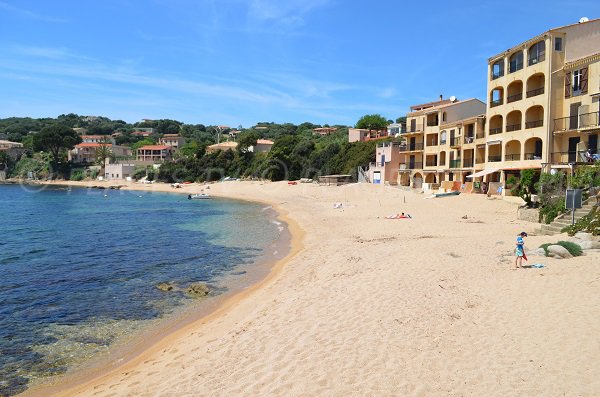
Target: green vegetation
x: 55, y: 139
x: 524, y: 187
x: 551, y: 188
x: 372, y: 122
x: 589, y: 224
x: 573, y: 248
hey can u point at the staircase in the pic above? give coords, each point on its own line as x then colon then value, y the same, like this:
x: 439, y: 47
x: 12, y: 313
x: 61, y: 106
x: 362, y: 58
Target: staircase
x: 363, y: 176
x: 564, y: 220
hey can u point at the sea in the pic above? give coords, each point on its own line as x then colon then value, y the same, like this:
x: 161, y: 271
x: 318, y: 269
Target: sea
x: 79, y: 269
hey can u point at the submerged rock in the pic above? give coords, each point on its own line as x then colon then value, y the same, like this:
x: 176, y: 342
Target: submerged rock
x: 165, y: 287
x: 198, y: 289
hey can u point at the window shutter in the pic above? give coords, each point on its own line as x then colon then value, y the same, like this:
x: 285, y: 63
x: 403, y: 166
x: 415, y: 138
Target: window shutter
x: 568, y: 85
x: 584, y: 80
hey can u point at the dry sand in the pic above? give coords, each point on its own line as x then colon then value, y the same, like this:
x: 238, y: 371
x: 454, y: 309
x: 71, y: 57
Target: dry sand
x: 369, y: 306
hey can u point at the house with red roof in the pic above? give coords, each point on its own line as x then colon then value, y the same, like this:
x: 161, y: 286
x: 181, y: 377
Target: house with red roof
x: 155, y: 153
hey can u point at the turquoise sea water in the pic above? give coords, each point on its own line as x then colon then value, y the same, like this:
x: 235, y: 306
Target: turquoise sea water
x: 79, y: 268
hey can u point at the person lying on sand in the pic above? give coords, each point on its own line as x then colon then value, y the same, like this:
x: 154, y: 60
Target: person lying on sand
x: 399, y: 216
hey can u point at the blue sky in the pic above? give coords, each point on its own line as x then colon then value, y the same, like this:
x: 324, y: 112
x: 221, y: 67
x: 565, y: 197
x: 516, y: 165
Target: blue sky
x: 238, y: 62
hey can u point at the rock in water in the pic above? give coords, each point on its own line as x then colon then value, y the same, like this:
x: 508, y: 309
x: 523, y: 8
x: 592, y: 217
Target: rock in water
x: 165, y: 287
x: 198, y: 289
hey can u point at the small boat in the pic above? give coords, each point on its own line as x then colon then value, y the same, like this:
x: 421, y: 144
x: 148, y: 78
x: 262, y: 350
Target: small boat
x: 200, y: 196
x: 454, y: 193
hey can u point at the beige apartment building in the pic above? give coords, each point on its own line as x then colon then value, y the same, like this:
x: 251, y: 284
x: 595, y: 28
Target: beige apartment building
x: 543, y: 102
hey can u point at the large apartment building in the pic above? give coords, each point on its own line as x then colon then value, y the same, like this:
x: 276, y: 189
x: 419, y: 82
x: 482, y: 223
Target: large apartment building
x: 543, y: 101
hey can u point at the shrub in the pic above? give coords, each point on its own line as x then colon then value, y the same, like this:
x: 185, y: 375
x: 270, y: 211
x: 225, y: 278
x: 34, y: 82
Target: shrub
x: 552, y: 208
x: 589, y: 223
x: 573, y: 248
x: 77, y: 175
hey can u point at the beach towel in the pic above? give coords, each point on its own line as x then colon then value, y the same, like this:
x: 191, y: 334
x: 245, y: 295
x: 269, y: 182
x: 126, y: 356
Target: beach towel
x: 537, y: 265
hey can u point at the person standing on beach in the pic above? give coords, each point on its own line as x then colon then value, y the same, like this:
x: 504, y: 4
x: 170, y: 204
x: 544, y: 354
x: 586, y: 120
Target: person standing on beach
x: 520, y: 250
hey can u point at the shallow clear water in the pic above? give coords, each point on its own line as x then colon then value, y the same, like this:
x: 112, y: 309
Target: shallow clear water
x: 79, y: 270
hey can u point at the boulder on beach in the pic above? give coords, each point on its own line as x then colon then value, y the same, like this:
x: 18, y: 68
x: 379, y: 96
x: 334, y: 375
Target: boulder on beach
x: 198, y: 289
x: 165, y: 287
x: 558, y: 252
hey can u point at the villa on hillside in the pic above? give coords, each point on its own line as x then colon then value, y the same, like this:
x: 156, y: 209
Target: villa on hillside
x: 86, y: 152
x: 98, y: 139
x: 262, y: 145
x: 174, y: 140
x: 324, y: 131
x: 362, y: 135
x: 155, y: 153
x: 12, y: 149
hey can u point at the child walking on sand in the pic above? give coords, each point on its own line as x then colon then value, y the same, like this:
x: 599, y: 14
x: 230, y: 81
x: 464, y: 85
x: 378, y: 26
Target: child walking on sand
x: 520, y: 251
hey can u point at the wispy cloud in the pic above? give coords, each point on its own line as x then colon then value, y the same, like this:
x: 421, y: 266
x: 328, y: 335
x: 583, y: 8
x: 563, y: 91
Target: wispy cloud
x: 30, y: 14
x: 289, y: 13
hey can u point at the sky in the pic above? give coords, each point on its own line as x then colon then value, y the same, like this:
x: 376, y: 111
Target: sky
x: 240, y: 62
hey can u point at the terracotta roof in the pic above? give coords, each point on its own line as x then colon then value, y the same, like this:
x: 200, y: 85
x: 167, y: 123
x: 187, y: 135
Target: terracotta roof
x: 171, y: 136
x: 89, y: 144
x: 154, y: 147
x: 264, y: 142
x: 224, y: 144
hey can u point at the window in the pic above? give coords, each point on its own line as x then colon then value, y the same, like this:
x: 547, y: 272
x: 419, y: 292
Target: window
x: 558, y: 44
x: 515, y: 62
x: 443, y: 138
x: 576, y: 82
x: 498, y: 69
x: 537, y: 53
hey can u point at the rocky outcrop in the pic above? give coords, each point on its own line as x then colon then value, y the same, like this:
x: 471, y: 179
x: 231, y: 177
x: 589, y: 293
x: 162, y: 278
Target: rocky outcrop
x: 558, y: 252
x: 165, y: 287
x: 198, y: 290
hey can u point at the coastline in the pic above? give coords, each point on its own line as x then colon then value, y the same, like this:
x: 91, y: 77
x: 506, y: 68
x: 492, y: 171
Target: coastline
x: 121, y: 357
x: 373, y: 306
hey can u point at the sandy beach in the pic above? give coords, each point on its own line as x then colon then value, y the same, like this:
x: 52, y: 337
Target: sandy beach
x: 365, y: 305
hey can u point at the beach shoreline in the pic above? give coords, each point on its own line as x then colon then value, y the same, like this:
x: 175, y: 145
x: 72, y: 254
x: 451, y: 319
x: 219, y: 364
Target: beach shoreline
x: 121, y: 357
x: 376, y: 306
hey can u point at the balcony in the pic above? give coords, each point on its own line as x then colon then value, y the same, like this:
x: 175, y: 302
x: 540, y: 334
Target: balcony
x: 494, y: 131
x: 411, y: 129
x: 433, y: 123
x: 497, y: 74
x: 514, y: 98
x: 494, y: 159
x: 497, y: 102
x: 469, y: 139
x: 411, y: 147
x: 583, y: 121
x: 467, y: 163
x: 536, y: 92
x: 512, y: 157
x: 456, y: 141
x: 412, y: 166
x: 569, y: 157
x: 513, y: 127
x: 534, y: 124
x: 533, y: 156
x: 373, y: 165
x: 533, y: 60
x: 455, y: 163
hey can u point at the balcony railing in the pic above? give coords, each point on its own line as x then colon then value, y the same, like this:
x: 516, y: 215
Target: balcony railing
x: 467, y: 163
x: 494, y: 131
x: 431, y: 163
x: 497, y: 74
x: 495, y: 103
x: 411, y: 147
x: 537, y: 59
x: 431, y: 143
x: 534, y: 124
x: 574, y: 156
x: 456, y: 141
x: 494, y: 159
x: 512, y: 157
x: 586, y: 120
x: 414, y: 128
x: 412, y: 166
x: 376, y: 164
x: 433, y: 123
x: 455, y: 163
x: 533, y: 156
x: 469, y: 139
x: 513, y: 127
x: 514, y: 98
x: 536, y: 92
x: 515, y: 66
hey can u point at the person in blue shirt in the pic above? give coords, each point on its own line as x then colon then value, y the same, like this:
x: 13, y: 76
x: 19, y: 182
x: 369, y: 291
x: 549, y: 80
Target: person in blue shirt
x: 520, y: 250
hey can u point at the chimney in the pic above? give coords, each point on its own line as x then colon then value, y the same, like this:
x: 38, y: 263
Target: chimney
x: 441, y: 97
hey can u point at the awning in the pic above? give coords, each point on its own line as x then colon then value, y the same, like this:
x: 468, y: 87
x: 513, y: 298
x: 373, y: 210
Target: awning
x: 484, y: 172
x: 496, y: 142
